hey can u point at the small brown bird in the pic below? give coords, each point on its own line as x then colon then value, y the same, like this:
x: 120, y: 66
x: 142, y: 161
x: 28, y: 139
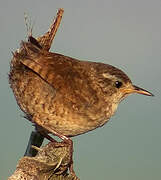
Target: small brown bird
x: 66, y: 95
x: 62, y: 95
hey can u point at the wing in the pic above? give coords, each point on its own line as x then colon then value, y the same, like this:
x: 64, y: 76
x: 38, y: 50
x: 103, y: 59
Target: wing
x: 67, y: 75
x: 55, y: 69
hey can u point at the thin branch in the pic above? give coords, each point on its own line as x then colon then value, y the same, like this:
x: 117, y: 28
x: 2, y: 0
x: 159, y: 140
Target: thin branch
x: 36, y: 139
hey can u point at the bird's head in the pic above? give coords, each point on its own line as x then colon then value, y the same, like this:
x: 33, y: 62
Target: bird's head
x: 116, y: 85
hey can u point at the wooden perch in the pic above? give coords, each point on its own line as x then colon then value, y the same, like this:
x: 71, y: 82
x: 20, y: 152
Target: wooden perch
x: 51, y: 162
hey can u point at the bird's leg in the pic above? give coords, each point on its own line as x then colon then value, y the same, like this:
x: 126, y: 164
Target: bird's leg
x: 48, y: 137
x: 65, y: 139
x: 44, y: 134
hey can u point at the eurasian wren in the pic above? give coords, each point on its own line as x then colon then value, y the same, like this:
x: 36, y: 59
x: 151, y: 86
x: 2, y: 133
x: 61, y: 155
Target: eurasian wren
x: 68, y: 95
x: 62, y: 95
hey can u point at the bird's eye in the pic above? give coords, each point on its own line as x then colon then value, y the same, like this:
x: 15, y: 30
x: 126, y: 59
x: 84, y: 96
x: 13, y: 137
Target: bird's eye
x: 118, y: 84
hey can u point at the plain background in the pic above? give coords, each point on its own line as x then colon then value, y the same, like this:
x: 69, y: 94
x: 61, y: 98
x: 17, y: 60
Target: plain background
x: 124, y: 33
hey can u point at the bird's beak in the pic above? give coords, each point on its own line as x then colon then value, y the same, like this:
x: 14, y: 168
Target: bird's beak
x: 136, y: 89
x: 141, y: 91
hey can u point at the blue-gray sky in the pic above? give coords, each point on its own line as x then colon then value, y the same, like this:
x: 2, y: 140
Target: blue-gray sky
x: 126, y: 34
